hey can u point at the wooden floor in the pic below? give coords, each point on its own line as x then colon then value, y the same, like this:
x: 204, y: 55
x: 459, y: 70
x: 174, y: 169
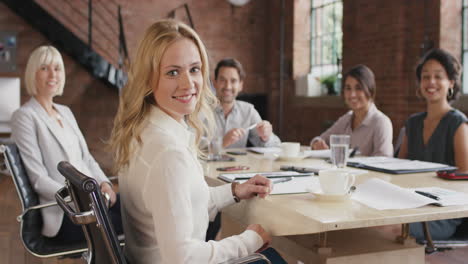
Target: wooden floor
x: 13, y: 252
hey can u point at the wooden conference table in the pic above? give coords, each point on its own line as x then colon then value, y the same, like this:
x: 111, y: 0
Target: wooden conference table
x: 314, y: 231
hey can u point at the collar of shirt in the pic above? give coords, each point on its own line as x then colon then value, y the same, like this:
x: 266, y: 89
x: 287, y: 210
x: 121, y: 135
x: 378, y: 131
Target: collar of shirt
x: 41, y: 109
x: 219, y: 109
x: 372, y: 110
x: 180, y: 131
x: 367, y: 120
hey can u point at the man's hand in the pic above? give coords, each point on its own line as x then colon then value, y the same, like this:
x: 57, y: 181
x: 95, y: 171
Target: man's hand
x: 264, y: 130
x: 106, y: 188
x: 232, y: 136
x: 319, y: 144
x: 257, y: 185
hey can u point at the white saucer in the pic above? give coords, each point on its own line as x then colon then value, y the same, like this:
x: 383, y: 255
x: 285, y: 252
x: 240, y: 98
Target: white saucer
x: 289, y: 158
x: 330, y: 197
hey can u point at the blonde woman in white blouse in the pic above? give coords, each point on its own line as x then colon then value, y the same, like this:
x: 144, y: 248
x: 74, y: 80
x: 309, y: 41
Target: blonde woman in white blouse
x: 166, y: 203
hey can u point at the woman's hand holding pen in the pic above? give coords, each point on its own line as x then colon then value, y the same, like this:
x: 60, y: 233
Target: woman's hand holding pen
x: 257, y: 185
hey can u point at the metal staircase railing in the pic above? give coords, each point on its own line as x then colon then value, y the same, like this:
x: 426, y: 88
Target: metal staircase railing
x: 98, y: 54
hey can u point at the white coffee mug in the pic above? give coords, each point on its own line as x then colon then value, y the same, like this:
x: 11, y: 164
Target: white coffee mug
x: 290, y: 149
x: 336, y: 181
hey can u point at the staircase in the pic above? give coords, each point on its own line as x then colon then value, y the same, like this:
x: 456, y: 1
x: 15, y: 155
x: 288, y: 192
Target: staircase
x: 67, y: 27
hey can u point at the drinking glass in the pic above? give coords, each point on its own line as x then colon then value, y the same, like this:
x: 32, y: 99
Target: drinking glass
x: 215, y: 149
x: 339, y: 145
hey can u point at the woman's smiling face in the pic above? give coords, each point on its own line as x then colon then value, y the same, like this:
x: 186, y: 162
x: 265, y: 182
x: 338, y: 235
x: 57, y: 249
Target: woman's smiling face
x: 180, y: 80
x: 434, y: 84
x: 354, y: 94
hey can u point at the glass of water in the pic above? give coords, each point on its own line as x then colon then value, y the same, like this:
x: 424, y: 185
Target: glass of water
x: 215, y: 148
x: 339, y: 145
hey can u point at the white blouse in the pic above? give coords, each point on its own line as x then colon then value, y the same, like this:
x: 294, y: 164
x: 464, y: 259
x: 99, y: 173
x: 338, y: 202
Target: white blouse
x: 166, y: 203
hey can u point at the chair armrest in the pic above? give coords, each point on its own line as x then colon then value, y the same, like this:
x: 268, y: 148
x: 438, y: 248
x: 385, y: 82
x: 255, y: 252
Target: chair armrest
x: 248, y: 259
x: 19, y: 218
x: 80, y: 218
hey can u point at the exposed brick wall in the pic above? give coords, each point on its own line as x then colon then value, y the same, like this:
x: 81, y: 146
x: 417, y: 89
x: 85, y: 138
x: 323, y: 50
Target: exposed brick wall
x: 227, y: 31
x: 387, y: 36
x: 74, y: 16
x: 93, y: 103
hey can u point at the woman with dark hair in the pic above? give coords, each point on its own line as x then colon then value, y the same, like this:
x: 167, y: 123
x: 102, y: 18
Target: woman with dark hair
x: 440, y: 134
x: 370, y: 129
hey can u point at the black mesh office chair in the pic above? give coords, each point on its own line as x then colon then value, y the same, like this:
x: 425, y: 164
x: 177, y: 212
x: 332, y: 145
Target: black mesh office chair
x: 91, y: 212
x: 30, y: 218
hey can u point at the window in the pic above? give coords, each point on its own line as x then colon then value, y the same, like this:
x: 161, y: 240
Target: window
x: 465, y: 47
x: 326, y: 43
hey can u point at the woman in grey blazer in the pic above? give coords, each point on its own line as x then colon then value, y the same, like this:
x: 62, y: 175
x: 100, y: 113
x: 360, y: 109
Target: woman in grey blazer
x: 47, y: 133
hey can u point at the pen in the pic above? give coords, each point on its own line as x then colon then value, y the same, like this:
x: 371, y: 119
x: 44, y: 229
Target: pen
x: 355, y: 149
x: 282, y: 180
x: 251, y: 127
x: 428, y: 195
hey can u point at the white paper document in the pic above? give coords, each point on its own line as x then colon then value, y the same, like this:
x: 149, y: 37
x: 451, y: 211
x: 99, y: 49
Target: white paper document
x: 445, y: 197
x: 262, y: 150
x: 321, y: 153
x: 316, y: 168
x: 230, y: 177
x: 318, y: 154
x: 382, y: 195
x: 295, y: 185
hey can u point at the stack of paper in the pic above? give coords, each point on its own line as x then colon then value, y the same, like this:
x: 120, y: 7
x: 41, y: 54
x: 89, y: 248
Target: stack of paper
x: 382, y: 195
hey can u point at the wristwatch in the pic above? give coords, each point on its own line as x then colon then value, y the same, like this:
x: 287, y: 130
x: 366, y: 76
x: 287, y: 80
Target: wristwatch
x: 233, y: 188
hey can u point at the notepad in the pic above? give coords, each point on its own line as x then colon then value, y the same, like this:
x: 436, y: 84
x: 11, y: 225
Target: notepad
x: 395, y: 165
x: 296, y: 185
x: 230, y: 177
x: 322, y: 153
x: 318, y: 154
x: 382, y: 195
x: 316, y: 168
x: 265, y: 150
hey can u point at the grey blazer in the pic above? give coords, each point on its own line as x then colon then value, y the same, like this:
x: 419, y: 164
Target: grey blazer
x: 42, y: 148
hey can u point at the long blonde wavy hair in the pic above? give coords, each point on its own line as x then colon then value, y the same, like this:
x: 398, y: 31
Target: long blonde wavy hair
x: 137, y: 97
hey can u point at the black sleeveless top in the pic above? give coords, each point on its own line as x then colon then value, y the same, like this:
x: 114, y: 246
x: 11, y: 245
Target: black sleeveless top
x: 440, y: 146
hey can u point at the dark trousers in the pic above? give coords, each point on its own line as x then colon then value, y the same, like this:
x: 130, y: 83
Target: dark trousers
x: 213, y: 228
x: 271, y: 255
x: 71, y: 233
